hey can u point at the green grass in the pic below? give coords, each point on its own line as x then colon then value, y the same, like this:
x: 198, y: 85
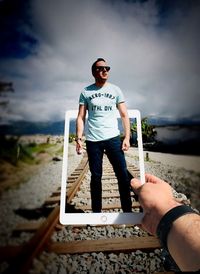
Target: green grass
x: 38, y: 148
x: 59, y: 152
x: 14, y: 152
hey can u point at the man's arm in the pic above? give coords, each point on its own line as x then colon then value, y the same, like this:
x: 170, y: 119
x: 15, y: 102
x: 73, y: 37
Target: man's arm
x: 80, y: 122
x: 126, y: 125
x: 183, y: 240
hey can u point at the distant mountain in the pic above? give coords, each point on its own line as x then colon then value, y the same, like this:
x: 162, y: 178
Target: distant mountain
x: 29, y: 128
x: 57, y: 128
x: 163, y: 121
x: 182, y: 137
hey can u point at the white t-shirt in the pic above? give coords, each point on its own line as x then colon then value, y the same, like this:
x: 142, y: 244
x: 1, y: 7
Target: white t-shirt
x: 101, y: 103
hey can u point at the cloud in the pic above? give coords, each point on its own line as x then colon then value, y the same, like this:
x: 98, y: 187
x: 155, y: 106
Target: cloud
x: 156, y: 65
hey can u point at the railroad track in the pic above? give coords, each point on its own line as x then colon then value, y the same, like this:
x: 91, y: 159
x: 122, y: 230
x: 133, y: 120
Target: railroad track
x: 20, y: 258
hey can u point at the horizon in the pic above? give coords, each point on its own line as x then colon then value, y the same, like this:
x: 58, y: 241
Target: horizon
x: 151, y: 119
x: 45, y: 125
x: 182, y: 138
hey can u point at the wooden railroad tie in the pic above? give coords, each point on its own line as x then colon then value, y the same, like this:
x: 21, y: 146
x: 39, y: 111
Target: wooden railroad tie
x: 105, y: 245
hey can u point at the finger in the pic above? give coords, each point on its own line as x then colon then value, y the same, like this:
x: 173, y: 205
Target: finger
x: 123, y: 145
x: 125, y: 148
x: 136, y: 184
x: 78, y: 148
x: 149, y: 178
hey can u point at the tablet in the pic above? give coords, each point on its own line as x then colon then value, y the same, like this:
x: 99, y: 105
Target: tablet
x: 103, y: 218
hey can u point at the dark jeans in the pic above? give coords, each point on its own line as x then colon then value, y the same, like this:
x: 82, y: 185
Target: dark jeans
x: 112, y: 148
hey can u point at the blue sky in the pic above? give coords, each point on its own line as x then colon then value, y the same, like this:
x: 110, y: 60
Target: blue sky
x: 47, y: 48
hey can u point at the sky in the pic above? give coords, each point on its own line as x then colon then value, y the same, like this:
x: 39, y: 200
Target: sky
x: 47, y: 48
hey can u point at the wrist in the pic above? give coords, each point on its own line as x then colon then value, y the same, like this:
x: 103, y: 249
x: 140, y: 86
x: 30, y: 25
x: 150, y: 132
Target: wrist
x: 162, y: 210
x: 156, y: 214
x: 167, y: 220
x: 126, y: 138
x: 77, y: 139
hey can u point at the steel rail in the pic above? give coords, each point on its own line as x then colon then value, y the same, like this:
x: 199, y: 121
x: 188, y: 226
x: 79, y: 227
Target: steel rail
x: 25, y: 254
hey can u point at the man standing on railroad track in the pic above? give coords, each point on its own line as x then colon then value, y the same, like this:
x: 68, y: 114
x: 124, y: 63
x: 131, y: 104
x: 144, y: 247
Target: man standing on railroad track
x: 102, y: 100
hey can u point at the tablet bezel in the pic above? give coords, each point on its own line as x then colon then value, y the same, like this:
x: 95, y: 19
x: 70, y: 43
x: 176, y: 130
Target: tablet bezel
x: 98, y: 218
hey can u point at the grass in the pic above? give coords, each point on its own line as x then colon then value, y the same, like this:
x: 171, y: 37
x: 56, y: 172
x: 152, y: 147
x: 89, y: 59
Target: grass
x: 19, y: 161
x: 28, y: 153
x: 13, y: 152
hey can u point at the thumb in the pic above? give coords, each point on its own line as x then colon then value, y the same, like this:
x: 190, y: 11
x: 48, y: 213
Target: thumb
x: 136, y: 184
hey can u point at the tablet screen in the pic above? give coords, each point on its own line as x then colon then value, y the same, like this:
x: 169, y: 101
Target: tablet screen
x: 75, y: 203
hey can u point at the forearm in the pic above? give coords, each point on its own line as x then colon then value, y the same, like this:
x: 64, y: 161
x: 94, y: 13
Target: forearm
x: 79, y: 127
x: 176, y: 225
x: 126, y: 126
x: 125, y: 120
x: 184, y: 242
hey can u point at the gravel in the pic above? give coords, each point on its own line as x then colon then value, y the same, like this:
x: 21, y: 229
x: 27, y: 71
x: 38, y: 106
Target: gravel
x: 35, y: 191
x: 31, y: 195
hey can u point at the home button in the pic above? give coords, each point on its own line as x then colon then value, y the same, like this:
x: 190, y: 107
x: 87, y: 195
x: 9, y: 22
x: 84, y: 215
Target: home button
x: 103, y: 218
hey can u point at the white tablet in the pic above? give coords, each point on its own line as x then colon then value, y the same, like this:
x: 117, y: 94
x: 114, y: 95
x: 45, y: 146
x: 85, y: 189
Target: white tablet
x: 103, y: 218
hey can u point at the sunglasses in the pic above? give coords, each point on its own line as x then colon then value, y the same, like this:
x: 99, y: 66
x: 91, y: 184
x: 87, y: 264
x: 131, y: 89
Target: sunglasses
x: 101, y: 68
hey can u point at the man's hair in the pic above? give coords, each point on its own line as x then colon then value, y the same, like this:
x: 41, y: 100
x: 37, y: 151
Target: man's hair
x: 94, y: 64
